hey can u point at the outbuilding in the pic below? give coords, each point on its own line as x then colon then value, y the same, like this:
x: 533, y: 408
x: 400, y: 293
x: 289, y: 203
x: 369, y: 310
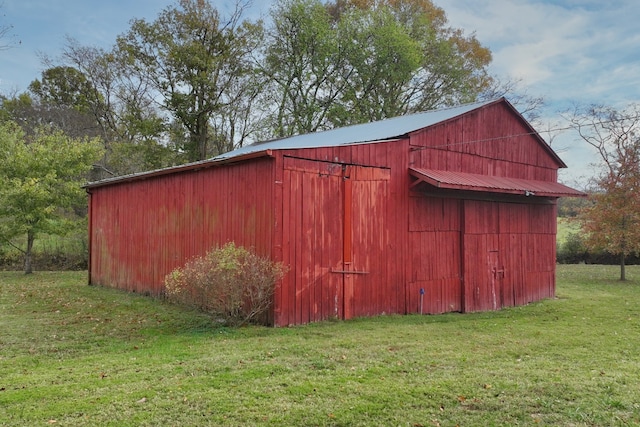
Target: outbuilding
x: 447, y: 210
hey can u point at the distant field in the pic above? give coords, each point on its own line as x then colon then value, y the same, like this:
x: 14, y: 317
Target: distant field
x: 74, y: 355
x: 565, y: 228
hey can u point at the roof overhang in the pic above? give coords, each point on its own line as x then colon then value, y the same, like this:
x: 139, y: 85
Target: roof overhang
x: 491, y: 184
x: 175, y: 169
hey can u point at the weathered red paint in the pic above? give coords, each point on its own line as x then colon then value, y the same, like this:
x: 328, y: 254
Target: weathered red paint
x: 363, y: 227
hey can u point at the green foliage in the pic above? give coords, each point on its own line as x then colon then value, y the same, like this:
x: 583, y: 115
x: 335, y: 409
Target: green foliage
x: 195, y: 60
x: 335, y: 64
x: 611, y: 222
x: 40, y: 182
x: 84, y: 356
x: 65, y: 86
x: 231, y: 283
x: 50, y: 252
x: 129, y: 157
x: 302, y: 64
x: 572, y: 249
x: 195, y: 82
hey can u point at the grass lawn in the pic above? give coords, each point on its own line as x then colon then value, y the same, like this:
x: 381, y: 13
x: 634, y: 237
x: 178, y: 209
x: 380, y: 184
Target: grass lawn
x: 73, y: 355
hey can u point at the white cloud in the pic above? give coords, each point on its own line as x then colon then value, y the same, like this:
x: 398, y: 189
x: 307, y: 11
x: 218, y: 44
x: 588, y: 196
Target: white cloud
x: 568, y: 51
x: 559, y: 49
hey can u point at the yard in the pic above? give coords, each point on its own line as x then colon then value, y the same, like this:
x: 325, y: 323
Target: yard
x: 71, y: 354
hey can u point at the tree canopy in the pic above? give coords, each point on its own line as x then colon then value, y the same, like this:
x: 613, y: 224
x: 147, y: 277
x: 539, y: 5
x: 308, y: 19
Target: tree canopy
x: 612, y: 221
x: 339, y: 63
x: 195, y: 82
x: 196, y: 61
x: 40, y: 183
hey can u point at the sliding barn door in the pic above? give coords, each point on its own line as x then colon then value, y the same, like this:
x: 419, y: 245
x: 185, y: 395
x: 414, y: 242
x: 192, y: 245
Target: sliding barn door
x: 335, y: 240
x: 509, y: 253
x: 368, y: 291
x: 312, y: 241
x: 482, y: 258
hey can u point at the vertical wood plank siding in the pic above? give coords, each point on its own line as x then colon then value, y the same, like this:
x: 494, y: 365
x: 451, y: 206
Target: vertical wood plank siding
x: 488, y: 141
x: 500, y: 254
x: 340, y: 217
x: 357, y: 238
x: 142, y: 230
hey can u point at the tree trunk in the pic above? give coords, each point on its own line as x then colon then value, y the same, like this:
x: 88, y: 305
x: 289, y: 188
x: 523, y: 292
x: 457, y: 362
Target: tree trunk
x: 28, y: 269
x: 623, y: 276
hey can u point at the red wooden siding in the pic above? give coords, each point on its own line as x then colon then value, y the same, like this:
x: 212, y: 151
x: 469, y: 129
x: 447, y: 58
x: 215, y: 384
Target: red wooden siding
x: 336, y: 242
x: 360, y: 234
x: 479, y: 255
x: 509, y: 254
x: 491, y: 141
x: 368, y: 291
x: 312, y: 243
x: 143, y: 229
x: 434, y: 226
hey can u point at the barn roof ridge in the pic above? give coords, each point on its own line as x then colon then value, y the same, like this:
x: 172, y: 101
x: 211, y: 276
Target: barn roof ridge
x: 382, y: 130
x: 363, y: 133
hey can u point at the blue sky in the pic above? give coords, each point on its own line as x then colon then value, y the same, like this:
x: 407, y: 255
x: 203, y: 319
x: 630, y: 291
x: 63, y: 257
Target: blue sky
x: 568, y: 51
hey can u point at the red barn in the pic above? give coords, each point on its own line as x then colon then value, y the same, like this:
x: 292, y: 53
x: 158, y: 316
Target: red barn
x: 449, y: 210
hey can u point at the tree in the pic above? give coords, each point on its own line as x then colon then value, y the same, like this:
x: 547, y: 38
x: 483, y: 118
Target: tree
x: 303, y: 62
x: 133, y: 128
x: 5, y: 33
x: 355, y: 61
x: 452, y: 66
x: 65, y: 86
x: 384, y: 66
x: 40, y: 183
x: 197, y: 62
x: 612, y: 221
x: 60, y: 99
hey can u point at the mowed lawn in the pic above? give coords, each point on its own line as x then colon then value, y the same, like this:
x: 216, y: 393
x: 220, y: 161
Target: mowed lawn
x: 74, y: 355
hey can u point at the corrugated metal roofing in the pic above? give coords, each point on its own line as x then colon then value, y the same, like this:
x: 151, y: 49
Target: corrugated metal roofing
x: 493, y: 184
x: 382, y: 130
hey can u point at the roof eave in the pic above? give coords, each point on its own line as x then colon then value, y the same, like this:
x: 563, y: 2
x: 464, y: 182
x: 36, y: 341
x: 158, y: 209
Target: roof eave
x: 189, y: 167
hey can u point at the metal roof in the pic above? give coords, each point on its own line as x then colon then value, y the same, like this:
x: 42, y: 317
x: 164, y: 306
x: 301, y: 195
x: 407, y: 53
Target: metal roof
x: 492, y: 184
x: 383, y: 130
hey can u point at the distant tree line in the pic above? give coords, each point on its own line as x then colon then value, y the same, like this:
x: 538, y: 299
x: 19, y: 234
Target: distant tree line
x: 195, y: 83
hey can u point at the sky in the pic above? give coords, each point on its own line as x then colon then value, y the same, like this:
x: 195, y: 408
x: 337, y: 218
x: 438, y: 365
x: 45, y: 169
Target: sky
x: 566, y: 51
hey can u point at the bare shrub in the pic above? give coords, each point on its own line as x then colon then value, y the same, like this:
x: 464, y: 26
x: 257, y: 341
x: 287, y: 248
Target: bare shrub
x: 231, y: 283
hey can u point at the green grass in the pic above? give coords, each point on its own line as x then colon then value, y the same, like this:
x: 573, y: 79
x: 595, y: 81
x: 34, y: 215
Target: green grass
x: 73, y: 355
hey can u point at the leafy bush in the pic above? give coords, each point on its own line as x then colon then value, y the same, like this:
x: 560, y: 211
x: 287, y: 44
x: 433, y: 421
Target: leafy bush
x: 574, y: 251
x: 231, y: 283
